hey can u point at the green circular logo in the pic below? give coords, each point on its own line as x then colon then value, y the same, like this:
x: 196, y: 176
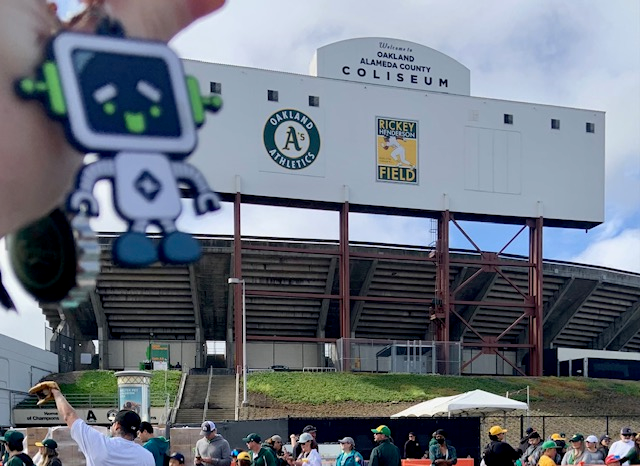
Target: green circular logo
x: 291, y: 139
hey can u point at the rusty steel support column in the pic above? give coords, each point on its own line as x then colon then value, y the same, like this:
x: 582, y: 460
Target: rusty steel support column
x: 442, y: 306
x: 443, y: 278
x: 238, y: 298
x: 345, y: 305
x: 535, y: 285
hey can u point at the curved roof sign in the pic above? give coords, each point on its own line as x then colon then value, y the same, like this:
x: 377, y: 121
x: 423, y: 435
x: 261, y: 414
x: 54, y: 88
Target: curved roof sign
x: 391, y: 62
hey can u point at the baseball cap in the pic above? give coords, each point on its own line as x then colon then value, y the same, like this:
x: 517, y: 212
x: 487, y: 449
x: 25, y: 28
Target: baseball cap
x: 207, y: 427
x: 252, y: 437
x: 129, y: 421
x: 577, y: 437
x: 557, y: 437
x: 626, y: 431
x: 592, y: 439
x: 560, y: 444
x: 382, y: 429
x: 178, y: 456
x: 305, y: 437
x: 12, y: 436
x: 606, y: 436
x: 496, y: 430
x: 276, y: 438
x: 49, y: 443
x: 309, y: 429
x: 549, y: 444
x: 243, y: 456
x: 529, y: 430
x: 534, y: 435
x: 347, y: 440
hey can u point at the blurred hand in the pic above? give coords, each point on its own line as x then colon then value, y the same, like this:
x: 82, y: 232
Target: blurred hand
x: 37, y: 165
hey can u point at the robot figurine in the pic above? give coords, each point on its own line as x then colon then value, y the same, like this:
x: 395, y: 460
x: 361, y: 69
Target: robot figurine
x: 130, y: 102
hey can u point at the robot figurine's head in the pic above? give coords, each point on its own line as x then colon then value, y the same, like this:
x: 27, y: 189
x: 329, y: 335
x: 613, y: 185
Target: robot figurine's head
x: 124, y: 95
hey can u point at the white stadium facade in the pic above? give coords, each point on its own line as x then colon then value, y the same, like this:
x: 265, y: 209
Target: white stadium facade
x: 380, y: 126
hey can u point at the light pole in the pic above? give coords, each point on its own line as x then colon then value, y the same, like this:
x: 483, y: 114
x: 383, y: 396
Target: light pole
x: 236, y: 281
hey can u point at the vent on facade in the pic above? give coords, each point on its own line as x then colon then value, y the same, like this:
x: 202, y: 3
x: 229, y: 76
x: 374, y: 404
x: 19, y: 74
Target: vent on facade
x: 589, y: 127
x: 272, y: 95
x: 508, y: 119
x: 314, y: 101
x: 556, y: 124
x: 216, y: 88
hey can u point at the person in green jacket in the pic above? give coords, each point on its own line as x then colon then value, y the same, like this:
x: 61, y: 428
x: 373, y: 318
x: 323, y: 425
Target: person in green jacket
x: 156, y: 445
x: 15, y: 447
x: 386, y: 452
x: 261, y: 454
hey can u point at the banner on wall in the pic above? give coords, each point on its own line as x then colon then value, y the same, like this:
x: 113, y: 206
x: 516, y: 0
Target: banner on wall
x: 396, y: 150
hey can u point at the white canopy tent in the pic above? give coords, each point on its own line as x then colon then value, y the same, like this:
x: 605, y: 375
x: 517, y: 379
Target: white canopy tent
x: 472, y: 403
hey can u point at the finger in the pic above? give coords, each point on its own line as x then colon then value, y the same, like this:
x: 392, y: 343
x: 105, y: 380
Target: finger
x: 33, y: 149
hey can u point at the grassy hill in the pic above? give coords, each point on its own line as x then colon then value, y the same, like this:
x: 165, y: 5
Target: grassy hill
x: 279, y: 394
x: 104, y: 383
x: 373, y: 388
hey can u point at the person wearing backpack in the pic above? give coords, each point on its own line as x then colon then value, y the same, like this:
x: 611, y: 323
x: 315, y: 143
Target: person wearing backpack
x: 498, y: 452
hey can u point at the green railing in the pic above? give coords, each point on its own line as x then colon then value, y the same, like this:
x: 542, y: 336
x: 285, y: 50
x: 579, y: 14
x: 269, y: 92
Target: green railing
x: 99, y: 400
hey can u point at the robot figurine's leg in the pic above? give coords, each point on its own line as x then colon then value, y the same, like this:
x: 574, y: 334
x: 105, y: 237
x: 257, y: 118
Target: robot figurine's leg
x: 134, y: 249
x: 177, y: 247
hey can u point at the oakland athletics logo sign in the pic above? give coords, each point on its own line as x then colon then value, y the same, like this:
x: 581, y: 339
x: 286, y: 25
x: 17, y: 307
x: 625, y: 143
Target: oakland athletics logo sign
x: 291, y: 139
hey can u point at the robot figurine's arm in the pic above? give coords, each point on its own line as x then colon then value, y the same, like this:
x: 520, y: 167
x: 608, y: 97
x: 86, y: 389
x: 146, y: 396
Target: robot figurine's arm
x: 206, y: 200
x: 48, y: 89
x: 199, y: 104
x: 86, y: 180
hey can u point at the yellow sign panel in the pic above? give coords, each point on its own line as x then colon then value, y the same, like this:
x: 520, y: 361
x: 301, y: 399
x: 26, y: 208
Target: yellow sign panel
x: 396, y: 150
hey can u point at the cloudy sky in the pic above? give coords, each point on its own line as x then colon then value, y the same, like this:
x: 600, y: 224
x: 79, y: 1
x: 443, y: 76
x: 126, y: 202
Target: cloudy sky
x: 582, y: 54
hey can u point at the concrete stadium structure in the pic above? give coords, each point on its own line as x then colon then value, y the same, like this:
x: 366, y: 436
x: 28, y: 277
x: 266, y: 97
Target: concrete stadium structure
x: 293, y: 299
x: 385, y: 127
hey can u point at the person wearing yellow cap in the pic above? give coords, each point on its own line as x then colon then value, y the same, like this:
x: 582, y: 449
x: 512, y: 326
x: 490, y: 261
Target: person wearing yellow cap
x: 243, y: 458
x: 386, y: 452
x: 498, y: 452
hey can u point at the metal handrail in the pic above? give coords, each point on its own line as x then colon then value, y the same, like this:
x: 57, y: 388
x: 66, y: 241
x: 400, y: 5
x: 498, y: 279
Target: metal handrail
x: 179, y: 398
x: 206, y: 406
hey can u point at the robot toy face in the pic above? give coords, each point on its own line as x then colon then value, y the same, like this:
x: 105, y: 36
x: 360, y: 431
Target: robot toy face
x: 124, y: 95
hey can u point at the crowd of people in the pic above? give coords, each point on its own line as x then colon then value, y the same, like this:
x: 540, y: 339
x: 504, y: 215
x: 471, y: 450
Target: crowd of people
x: 120, y: 448
x: 559, y: 450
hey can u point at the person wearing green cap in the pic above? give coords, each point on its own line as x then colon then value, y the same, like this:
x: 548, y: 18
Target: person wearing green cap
x: 548, y: 451
x: 386, y: 452
x: 48, y: 453
x: 578, y: 455
x: 15, y: 447
x: 261, y: 455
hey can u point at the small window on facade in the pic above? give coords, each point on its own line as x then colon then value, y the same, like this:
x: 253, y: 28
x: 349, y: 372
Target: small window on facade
x: 216, y: 88
x: 272, y: 95
x: 556, y: 124
x: 314, y: 101
x: 589, y: 127
x: 508, y: 119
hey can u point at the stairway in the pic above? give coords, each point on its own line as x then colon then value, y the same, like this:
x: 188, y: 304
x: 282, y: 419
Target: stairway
x: 221, y: 399
x: 193, y: 400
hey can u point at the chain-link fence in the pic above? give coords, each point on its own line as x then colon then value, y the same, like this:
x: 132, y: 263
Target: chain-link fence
x: 546, y: 425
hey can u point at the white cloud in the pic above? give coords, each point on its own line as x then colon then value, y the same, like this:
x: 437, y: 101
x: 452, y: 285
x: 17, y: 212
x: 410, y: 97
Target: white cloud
x: 621, y: 252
